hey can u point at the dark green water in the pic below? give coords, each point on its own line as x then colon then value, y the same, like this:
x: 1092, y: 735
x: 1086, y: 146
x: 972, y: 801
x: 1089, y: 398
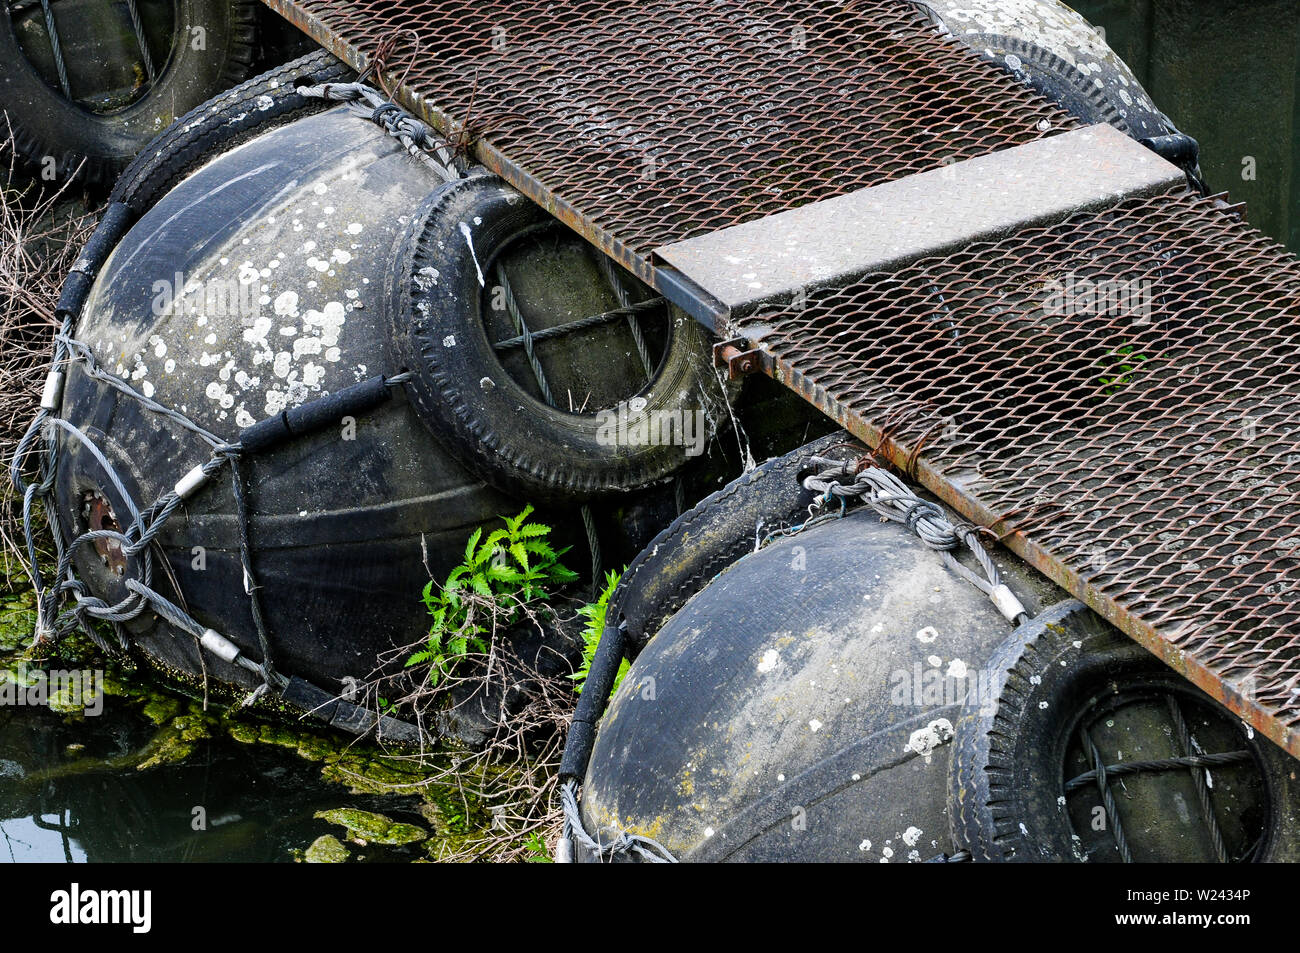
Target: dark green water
x: 256, y: 801
x: 122, y: 771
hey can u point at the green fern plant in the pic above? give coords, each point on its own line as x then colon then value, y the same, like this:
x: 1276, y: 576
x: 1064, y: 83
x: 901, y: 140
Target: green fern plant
x: 594, y: 613
x: 1121, y: 362
x: 500, y: 575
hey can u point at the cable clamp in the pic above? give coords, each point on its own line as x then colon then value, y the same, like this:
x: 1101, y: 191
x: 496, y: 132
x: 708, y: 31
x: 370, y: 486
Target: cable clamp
x: 219, y: 645
x: 189, y: 484
x: 52, y: 395
x: 1007, y: 603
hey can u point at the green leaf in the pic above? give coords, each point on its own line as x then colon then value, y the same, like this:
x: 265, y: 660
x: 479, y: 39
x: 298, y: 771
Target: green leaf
x: 473, y: 541
x: 517, y: 521
x: 562, y: 573
x: 521, y: 555
x: 539, y: 547
x: 504, y: 574
x: 419, y: 658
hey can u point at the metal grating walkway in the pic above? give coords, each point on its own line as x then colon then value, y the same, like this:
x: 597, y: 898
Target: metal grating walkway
x: 1118, y: 398
x: 644, y: 123
x: 1142, y: 448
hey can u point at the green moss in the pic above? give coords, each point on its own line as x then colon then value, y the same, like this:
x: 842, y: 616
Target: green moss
x: 242, y: 732
x: 315, y: 748
x: 166, y: 747
x: 17, y: 620
x: 369, y: 828
x: 161, y: 708
x: 326, y: 849
x: 66, y: 702
x: 277, y: 735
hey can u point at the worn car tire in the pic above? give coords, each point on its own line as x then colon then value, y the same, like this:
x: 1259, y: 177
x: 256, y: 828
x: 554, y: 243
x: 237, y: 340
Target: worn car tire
x: 709, y: 537
x: 47, y: 124
x: 497, y: 428
x: 218, y: 125
x: 1006, y: 798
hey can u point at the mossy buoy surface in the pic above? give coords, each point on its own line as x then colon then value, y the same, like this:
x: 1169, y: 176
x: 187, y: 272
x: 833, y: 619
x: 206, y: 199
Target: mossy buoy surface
x: 841, y: 695
x: 260, y: 283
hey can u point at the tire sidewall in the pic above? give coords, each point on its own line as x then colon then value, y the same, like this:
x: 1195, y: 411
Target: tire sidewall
x: 467, y: 397
x: 187, y: 78
x: 712, y: 535
x: 1007, y: 782
x: 219, y: 124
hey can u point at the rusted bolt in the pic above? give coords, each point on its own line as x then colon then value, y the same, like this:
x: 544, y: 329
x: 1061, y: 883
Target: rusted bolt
x: 737, y: 362
x: 99, y: 515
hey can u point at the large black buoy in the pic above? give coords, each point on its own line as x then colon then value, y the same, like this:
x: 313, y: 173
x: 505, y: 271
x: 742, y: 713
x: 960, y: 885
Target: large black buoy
x: 256, y: 304
x: 259, y: 284
x: 842, y: 695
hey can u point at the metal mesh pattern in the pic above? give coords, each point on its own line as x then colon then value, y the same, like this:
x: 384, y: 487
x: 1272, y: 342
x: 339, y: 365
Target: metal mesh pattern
x: 644, y: 123
x: 1115, y: 395
x: 1118, y: 396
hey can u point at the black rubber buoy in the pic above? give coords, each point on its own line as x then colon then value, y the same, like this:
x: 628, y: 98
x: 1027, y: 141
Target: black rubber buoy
x: 801, y: 706
x: 261, y: 288
x: 840, y: 694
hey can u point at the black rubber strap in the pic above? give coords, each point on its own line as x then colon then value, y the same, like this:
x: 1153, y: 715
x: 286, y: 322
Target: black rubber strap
x: 314, y: 415
x: 1182, y: 150
x: 117, y: 219
x: 591, y: 704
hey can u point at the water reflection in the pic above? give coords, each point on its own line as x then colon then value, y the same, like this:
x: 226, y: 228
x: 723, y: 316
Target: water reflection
x: 69, y: 792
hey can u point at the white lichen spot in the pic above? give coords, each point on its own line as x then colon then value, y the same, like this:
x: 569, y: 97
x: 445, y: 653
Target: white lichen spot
x: 925, y: 740
x: 927, y: 635
x: 771, y: 658
x: 258, y: 332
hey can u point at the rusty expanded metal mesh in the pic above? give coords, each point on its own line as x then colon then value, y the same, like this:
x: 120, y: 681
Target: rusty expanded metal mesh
x: 644, y: 123
x: 1119, y: 397
x: 1142, y: 452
